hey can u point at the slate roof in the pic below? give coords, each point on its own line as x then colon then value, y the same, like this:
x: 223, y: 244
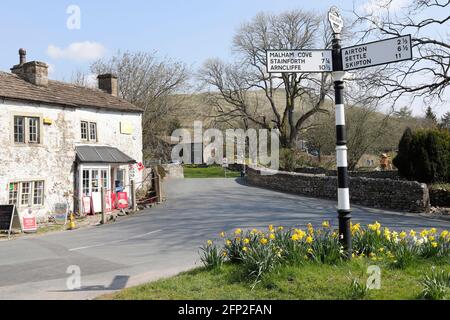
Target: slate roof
x: 60, y: 93
x: 101, y: 154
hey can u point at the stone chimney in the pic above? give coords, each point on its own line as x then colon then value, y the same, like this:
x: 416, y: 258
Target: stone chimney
x: 108, y: 83
x: 35, y: 72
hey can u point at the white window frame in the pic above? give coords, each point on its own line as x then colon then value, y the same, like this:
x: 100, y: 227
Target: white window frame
x: 26, y: 129
x: 18, y: 194
x: 91, y: 131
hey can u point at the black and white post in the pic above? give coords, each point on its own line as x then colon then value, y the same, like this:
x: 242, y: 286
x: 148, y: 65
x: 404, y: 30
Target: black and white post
x: 344, y: 210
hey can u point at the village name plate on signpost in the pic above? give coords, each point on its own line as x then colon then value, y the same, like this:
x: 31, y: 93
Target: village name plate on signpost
x: 377, y: 53
x: 291, y: 61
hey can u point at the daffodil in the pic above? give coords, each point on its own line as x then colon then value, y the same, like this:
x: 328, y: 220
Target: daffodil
x: 309, y: 239
x: 326, y: 224
x: 245, y: 249
x: 310, y: 250
x: 222, y: 234
x: 209, y: 242
x: 271, y: 229
x: 263, y: 241
x: 272, y: 236
x: 228, y: 242
x: 403, y: 235
x: 412, y: 233
x: 295, y: 237
x: 280, y: 228
x: 434, y: 244
x: 237, y: 232
x: 444, y: 234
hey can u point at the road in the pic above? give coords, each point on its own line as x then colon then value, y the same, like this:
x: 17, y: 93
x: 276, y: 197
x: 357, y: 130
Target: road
x: 162, y: 241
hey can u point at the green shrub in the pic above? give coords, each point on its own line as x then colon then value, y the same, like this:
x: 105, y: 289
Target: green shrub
x: 211, y: 256
x: 436, y: 285
x: 424, y: 155
x: 357, y: 290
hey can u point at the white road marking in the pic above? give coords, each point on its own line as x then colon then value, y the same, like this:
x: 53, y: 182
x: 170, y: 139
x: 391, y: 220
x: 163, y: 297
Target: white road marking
x: 116, y: 241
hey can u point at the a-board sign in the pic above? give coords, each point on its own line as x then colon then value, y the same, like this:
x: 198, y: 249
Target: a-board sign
x: 122, y: 200
x: 291, y: 61
x: 6, y: 216
x: 377, y: 53
x: 9, y: 219
x: 29, y: 222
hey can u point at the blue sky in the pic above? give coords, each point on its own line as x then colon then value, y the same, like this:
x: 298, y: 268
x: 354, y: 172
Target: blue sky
x: 190, y: 31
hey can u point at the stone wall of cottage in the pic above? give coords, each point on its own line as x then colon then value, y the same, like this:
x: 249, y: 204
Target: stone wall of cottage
x: 53, y: 160
x: 377, y: 193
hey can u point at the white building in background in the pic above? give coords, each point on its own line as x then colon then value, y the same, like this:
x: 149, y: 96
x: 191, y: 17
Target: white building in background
x: 60, y: 142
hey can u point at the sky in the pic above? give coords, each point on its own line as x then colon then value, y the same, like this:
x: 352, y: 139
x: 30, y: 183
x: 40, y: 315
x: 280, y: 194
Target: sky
x: 189, y: 31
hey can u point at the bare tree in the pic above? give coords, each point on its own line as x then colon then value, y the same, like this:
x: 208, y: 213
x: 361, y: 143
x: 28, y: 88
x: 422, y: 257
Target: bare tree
x: 153, y: 84
x: 427, y: 76
x: 234, y: 87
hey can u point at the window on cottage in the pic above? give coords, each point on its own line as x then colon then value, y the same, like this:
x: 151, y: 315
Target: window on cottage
x: 93, y: 131
x: 19, y: 129
x: 25, y: 193
x: 26, y: 129
x: 33, y: 130
x: 38, y: 193
x: 13, y: 193
x: 86, y: 183
x: 84, y: 130
x: 88, y: 131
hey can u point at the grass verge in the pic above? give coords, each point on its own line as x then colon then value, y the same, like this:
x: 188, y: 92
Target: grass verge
x: 209, y: 172
x: 309, y: 281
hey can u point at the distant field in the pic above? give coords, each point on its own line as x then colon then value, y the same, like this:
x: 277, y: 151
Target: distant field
x: 209, y: 172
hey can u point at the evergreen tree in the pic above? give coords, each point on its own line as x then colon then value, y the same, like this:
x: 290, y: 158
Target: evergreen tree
x: 431, y: 116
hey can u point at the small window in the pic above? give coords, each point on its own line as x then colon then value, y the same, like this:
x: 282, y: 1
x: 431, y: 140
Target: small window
x: 92, y: 131
x: 33, y: 130
x: 25, y: 193
x: 84, y: 130
x: 13, y: 193
x: 26, y: 129
x: 19, y: 129
x: 38, y: 193
x: 88, y: 131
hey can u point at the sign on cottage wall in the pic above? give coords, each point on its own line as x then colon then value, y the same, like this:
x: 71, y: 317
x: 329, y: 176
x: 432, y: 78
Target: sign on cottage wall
x: 126, y: 127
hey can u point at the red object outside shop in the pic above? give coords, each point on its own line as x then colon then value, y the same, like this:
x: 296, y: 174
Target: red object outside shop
x: 122, y: 200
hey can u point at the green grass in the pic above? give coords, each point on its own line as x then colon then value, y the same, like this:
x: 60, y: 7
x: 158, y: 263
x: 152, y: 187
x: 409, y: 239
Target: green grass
x: 209, y: 172
x: 311, y: 281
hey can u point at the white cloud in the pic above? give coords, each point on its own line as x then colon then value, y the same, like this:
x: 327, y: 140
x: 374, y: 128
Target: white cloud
x: 78, y: 51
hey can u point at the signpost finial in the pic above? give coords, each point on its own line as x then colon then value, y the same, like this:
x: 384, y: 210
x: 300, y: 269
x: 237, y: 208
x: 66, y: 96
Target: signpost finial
x: 335, y: 19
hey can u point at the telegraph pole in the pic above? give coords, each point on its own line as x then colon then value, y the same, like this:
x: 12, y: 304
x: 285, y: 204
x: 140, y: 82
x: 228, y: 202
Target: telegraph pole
x: 344, y: 210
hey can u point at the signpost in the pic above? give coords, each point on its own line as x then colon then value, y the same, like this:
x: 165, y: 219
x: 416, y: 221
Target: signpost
x: 377, y: 53
x: 289, y: 61
x: 337, y: 61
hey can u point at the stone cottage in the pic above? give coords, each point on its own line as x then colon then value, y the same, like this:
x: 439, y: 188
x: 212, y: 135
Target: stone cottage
x: 61, y: 143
